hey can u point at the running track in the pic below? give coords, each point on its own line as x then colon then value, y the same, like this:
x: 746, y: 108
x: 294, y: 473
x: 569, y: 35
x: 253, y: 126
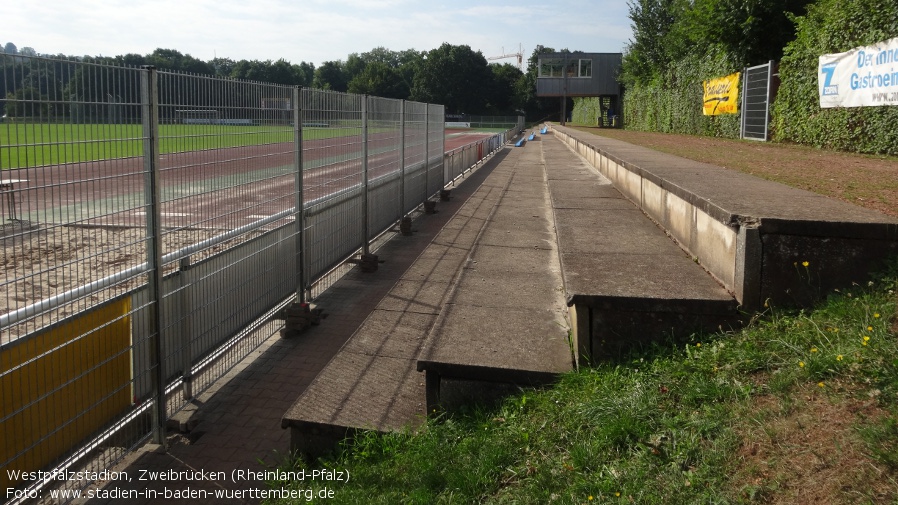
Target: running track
x: 219, y: 189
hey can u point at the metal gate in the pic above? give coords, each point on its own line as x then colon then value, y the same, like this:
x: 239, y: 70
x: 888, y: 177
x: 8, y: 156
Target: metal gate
x: 756, y: 98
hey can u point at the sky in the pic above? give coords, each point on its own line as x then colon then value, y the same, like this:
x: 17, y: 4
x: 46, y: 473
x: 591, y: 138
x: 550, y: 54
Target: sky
x: 314, y: 31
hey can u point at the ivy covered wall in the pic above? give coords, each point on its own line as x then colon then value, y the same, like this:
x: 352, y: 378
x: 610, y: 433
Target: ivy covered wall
x: 834, y: 26
x: 679, y: 43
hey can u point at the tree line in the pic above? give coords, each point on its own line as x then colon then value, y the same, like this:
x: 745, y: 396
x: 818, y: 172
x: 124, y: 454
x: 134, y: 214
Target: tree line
x: 453, y: 75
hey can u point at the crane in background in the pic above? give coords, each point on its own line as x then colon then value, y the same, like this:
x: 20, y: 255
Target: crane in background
x: 519, y: 55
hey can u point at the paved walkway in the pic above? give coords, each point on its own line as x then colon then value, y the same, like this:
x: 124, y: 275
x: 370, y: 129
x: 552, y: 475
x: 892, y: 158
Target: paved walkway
x: 239, y: 419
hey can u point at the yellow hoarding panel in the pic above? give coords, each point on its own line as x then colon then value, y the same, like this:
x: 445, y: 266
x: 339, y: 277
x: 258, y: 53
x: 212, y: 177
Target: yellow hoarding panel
x: 61, y: 386
x: 721, y: 95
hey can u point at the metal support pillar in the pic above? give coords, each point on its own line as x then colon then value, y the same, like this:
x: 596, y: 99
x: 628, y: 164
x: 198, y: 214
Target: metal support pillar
x: 152, y: 196
x: 299, y: 213
x: 367, y: 247
x: 426, y: 151
x: 401, y: 160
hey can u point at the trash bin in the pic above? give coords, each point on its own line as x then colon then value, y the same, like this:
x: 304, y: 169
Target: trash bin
x: 615, y: 121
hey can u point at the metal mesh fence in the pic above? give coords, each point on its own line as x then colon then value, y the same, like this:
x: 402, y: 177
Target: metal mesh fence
x: 415, y: 148
x: 153, y: 220
x: 333, y: 173
x: 499, y: 123
x: 384, y: 164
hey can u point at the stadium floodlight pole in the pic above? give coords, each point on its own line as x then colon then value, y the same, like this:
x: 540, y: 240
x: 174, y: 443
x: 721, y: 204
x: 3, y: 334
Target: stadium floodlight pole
x: 367, y: 249
x: 149, y: 80
x: 299, y: 221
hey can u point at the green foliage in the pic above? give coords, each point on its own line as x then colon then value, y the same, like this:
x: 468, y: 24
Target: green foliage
x: 379, y: 79
x: 665, y: 31
x: 672, y: 102
x: 678, y: 44
x: 453, y: 75
x: 833, y: 26
x: 331, y: 75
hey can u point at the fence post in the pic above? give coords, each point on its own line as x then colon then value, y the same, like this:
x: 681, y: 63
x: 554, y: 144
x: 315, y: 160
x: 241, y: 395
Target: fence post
x: 299, y: 214
x: 443, y: 145
x: 401, y: 159
x: 185, y: 314
x: 366, y: 250
x: 767, y: 100
x: 152, y: 195
x: 744, y: 102
x: 426, y: 151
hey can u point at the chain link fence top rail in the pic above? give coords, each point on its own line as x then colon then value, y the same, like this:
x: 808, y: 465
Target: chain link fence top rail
x: 154, y: 219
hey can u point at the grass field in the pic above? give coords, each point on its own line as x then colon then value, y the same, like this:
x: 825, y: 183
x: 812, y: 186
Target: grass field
x: 33, y: 145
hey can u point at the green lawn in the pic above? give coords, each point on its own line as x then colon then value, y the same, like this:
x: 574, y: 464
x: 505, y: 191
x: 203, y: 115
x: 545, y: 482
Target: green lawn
x: 35, y: 144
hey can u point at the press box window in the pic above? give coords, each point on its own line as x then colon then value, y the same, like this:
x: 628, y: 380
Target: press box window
x: 551, y: 67
x: 555, y: 67
x: 585, y: 68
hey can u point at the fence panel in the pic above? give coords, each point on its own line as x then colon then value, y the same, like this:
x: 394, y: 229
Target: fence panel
x: 384, y: 158
x: 436, y: 141
x: 415, y: 148
x: 333, y: 178
x: 65, y: 351
x: 156, y: 218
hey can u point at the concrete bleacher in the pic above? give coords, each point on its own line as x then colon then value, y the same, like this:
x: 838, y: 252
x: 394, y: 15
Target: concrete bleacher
x: 753, y: 236
x: 749, y: 233
x: 505, y: 325
x: 626, y: 281
x: 456, y: 298
x: 546, y: 258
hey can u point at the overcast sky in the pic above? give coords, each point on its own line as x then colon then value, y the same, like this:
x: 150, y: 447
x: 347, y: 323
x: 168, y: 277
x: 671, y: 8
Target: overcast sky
x: 311, y: 30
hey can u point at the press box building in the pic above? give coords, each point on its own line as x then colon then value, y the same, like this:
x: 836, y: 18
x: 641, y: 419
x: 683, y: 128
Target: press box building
x: 566, y: 75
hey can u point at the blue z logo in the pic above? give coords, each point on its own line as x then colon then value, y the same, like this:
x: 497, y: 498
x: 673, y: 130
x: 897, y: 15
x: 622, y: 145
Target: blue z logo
x: 828, y: 88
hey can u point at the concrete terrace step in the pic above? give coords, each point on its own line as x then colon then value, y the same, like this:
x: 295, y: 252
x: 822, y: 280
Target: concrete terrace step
x: 748, y: 232
x: 625, y: 280
x: 504, y: 325
x: 373, y: 382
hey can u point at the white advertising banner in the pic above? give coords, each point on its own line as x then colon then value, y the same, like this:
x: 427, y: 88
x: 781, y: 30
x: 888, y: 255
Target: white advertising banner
x: 863, y: 77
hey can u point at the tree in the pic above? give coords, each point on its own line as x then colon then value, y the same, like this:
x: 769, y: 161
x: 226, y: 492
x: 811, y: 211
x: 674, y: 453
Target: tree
x: 170, y: 59
x: 379, y: 79
x: 753, y: 31
x: 223, y: 67
x: 305, y: 73
x: 280, y: 72
x: 502, y: 95
x: 331, y: 75
x: 10, y: 48
x: 650, y: 50
x: 26, y: 102
x: 453, y: 76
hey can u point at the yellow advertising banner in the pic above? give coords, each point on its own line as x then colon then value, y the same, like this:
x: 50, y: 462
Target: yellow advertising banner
x: 60, y: 386
x: 721, y: 95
